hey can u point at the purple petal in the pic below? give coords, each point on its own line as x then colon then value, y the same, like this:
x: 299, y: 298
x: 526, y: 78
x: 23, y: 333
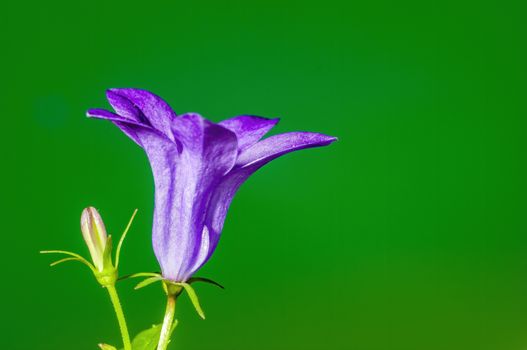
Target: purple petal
x: 122, y: 123
x: 107, y: 115
x: 248, y: 162
x: 126, y: 108
x: 133, y: 129
x: 183, y: 193
x: 151, y: 107
x: 249, y: 129
x: 277, y: 145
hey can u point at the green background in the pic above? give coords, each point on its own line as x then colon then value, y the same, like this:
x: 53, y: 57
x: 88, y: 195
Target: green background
x: 408, y: 233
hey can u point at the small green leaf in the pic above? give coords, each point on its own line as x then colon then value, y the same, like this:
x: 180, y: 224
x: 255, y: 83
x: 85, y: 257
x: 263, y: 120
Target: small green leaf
x: 107, y: 347
x: 147, y: 339
x: 204, y: 280
x: 148, y: 282
x: 194, y: 298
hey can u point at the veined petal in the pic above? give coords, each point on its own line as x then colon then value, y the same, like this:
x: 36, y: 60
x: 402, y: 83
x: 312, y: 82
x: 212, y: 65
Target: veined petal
x: 249, y: 129
x: 151, y: 107
x: 124, y: 107
x: 104, y: 114
x: 183, y: 194
x: 247, y: 163
x: 277, y: 145
x: 135, y: 130
x: 202, y: 254
x: 121, y: 122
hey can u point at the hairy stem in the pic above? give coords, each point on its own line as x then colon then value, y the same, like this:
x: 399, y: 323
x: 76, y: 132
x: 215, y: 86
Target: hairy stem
x: 120, y: 316
x: 168, y: 321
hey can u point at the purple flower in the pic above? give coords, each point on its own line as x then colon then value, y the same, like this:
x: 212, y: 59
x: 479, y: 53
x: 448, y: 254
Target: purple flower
x: 198, y: 166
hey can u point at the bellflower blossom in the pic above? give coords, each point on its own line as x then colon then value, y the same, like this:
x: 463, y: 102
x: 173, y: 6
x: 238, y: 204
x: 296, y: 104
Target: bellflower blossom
x: 197, y: 166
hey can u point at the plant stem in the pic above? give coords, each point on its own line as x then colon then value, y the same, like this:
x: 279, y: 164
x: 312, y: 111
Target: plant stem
x: 166, y: 329
x: 120, y: 316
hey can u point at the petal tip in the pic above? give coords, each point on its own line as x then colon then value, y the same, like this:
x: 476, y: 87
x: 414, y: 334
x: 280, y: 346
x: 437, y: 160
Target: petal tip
x: 115, y: 92
x: 322, y: 139
x: 92, y: 112
x: 111, y: 92
x: 125, y: 92
x: 319, y: 139
x: 270, y: 121
x: 331, y: 139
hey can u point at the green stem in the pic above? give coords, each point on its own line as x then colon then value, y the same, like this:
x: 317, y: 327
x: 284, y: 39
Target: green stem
x: 120, y: 316
x: 166, y: 329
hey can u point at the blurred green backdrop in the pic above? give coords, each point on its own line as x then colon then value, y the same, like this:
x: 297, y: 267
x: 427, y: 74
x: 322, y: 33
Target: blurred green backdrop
x: 409, y: 233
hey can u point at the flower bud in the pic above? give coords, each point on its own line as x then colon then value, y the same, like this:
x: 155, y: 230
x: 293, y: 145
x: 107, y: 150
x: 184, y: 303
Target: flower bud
x: 94, y: 234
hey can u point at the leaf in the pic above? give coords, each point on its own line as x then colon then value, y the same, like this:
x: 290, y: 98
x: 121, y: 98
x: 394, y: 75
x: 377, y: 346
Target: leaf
x: 194, y: 298
x: 204, y: 280
x: 147, y: 339
x: 148, y: 282
x: 107, y: 347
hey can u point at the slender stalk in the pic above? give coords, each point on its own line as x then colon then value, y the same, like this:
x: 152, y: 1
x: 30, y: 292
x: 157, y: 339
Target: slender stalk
x: 120, y: 316
x: 166, y: 329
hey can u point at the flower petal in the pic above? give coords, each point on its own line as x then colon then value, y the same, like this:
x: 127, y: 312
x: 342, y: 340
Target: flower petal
x: 126, y: 108
x: 248, y: 162
x: 249, y: 129
x: 277, y: 145
x: 107, y: 115
x: 121, y: 122
x: 183, y: 195
x: 133, y: 129
x: 152, y: 107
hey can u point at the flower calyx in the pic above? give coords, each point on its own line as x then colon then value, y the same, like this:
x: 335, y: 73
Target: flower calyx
x: 173, y: 288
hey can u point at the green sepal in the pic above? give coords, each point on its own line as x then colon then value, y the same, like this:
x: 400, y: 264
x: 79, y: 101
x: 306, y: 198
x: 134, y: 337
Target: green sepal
x: 103, y: 346
x: 107, y: 255
x: 108, y: 276
x: 123, y: 236
x: 148, y: 282
x: 193, y: 297
x: 73, y: 255
x: 55, y: 263
x: 140, y: 274
x: 204, y: 280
